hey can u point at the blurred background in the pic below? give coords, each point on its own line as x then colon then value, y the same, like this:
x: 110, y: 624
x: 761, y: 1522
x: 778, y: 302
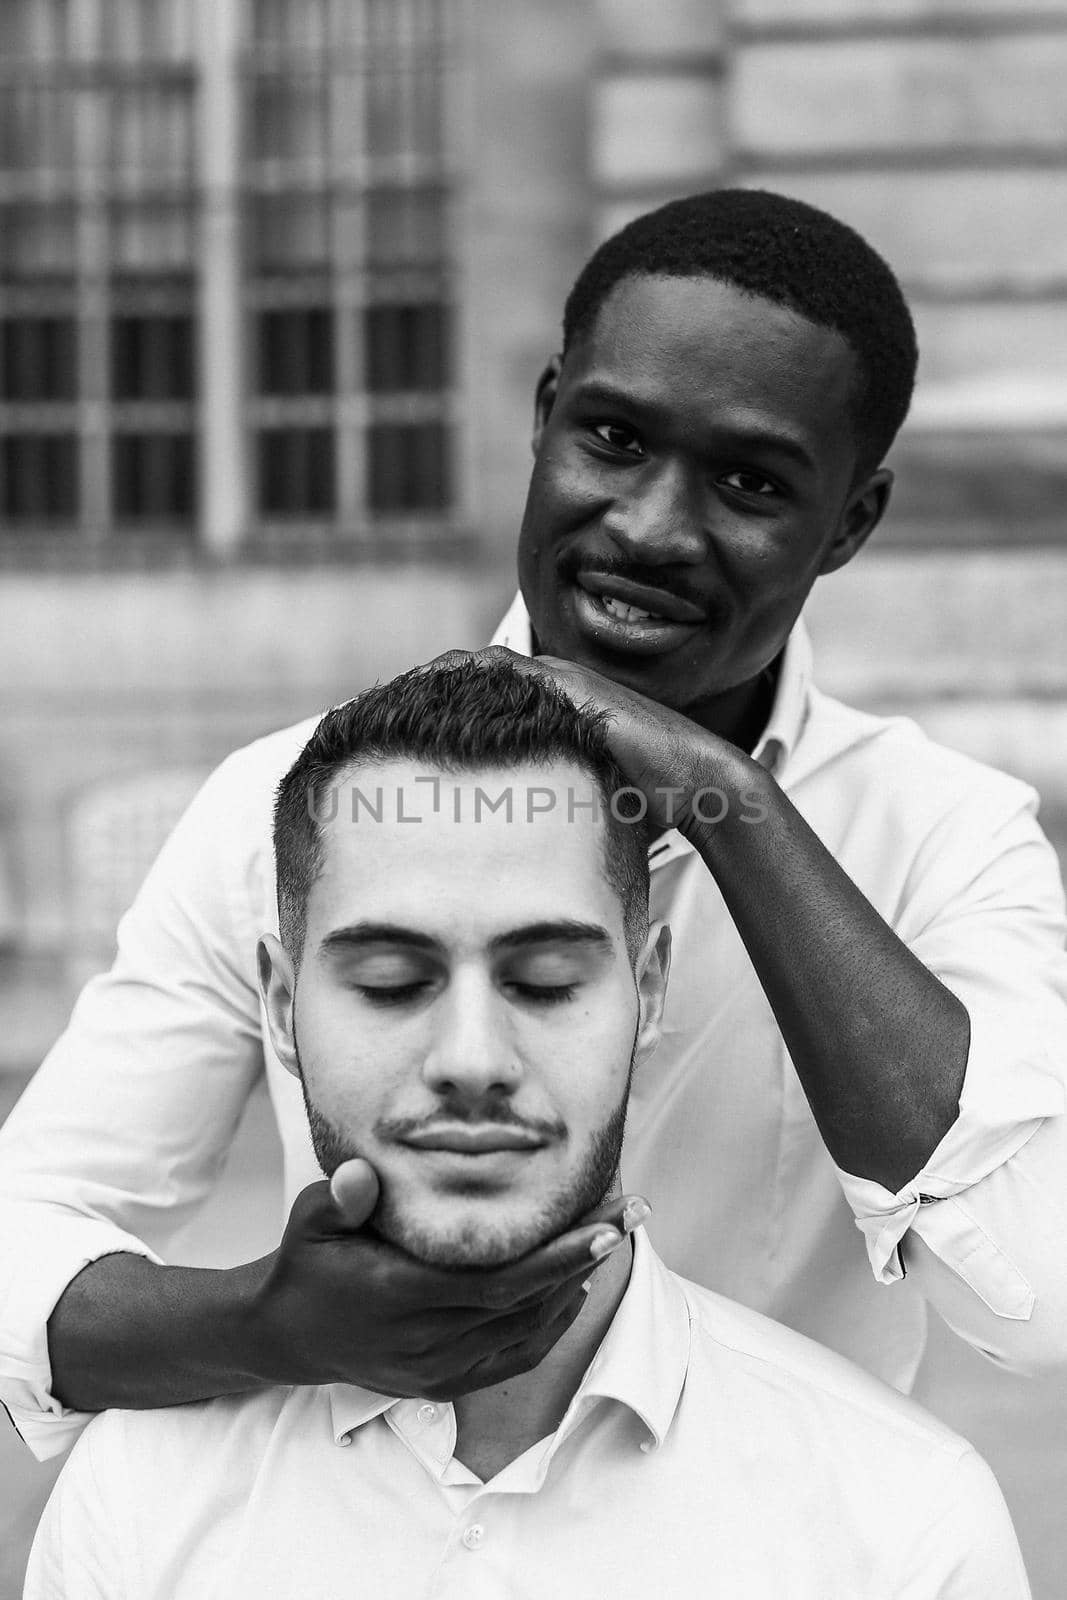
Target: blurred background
x: 277, y: 278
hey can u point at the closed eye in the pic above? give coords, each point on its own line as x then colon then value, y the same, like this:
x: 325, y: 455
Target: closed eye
x: 533, y: 993
x: 394, y: 994
x: 545, y: 994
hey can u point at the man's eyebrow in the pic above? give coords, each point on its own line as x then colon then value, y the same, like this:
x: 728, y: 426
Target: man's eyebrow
x: 598, y: 392
x: 565, y: 931
x: 773, y: 442
x: 358, y: 934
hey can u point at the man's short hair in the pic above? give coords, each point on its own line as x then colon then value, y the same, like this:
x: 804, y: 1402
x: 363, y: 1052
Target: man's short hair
x: 784, y: 251
x: 458, y: 719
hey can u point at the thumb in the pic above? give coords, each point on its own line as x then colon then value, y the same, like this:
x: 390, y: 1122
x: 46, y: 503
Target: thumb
x: 354, y: 1191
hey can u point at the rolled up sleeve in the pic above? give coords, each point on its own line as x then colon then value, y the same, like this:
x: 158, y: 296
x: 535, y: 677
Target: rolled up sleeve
x: 123, y: 1129
x: 970, y: 1225
x: 44, y: 1248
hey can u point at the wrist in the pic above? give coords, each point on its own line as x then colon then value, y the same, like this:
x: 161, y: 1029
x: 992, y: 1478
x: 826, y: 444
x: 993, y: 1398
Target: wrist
x: 244, y: 1336
x: 725, y: 790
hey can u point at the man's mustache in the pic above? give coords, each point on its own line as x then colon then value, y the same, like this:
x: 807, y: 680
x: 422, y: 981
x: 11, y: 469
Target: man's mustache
x: 450, y: 1115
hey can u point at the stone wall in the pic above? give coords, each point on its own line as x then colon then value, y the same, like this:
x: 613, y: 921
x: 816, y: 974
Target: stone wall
x: 114, y: 676
x: 938, y: 130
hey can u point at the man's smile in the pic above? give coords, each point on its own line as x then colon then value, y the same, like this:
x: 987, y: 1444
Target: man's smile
x: 625, y: 617
x: 474, y: 1139
x: 621, y: 596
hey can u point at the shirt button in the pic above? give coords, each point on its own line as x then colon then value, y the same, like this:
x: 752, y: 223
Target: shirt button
x: 474, y: 1536
x: 427, y: 1414
x: 346, y: 1438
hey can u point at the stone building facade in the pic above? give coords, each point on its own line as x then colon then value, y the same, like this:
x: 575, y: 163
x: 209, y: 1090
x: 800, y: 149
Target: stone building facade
x: 277, y: 278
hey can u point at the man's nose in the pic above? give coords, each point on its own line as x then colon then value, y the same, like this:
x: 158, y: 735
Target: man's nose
x: 662, y: 519
x: 473, y: 1053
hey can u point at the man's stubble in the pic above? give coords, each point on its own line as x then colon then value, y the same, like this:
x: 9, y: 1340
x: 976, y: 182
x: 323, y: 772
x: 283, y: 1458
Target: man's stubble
x: 472, y: 1244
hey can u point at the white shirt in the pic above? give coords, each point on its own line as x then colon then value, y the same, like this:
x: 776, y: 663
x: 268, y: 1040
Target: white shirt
x: 124, y: 1128
x: 706, y: 1451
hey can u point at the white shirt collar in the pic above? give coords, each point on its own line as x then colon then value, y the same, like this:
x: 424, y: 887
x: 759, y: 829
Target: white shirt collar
x: 644, y: 1356
x: 641, y: 1363
x: 788, y: 712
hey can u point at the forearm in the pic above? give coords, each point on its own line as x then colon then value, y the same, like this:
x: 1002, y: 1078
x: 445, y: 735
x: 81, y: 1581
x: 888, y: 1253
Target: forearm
x: 879, y: 1044
x: 128, y: 1333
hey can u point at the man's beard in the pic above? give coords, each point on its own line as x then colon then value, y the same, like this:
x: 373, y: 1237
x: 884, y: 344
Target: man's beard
x: 475, y: 1244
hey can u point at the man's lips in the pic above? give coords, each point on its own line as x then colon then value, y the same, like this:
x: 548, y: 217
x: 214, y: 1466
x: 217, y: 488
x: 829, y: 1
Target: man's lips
x: 473, y: 1139
x: 658, y: 602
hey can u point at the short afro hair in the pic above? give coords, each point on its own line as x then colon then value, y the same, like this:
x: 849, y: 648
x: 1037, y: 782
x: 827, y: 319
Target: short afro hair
x: 481, y: 713
x: 784, y: 251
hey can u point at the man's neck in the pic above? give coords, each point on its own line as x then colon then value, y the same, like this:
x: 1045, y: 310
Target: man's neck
x: 739, y: 715
x: 495, y: 1426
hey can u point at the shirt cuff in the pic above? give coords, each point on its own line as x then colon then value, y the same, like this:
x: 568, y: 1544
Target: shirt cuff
x: 1007, y: 1095
x: 40, y: 1256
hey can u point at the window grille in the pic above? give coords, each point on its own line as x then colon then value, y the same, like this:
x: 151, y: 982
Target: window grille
x: 98, y: 219
x: 346, y: 298
x: 348, y: 270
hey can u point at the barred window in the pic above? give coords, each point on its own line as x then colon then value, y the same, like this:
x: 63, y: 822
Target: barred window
x: 39, y: 358
x: 347, y: 263
x: 37, y: 128
x: 405, y: 226
x: 40, y: 477
x: 296, y: 351
x: 152, y: 238
x: 296, y: 472
x: 406, y: 348
x: 153, y: 476
x: 151, y: 134
x: 146, y: 30
x: 152, y: 358
x: 295, y: 24
x: 328, y: 232
x: 37, y: 241
x: 409, y: 467
x: 40, y: 30
x: 97, y: 265
x: 288, y: 233
x: 289, y: 117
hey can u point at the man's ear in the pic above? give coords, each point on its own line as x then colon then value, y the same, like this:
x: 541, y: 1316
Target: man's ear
x: 862, y: 513
x: 653, y: 969
x: 545, y: 398
x: 277, y: 985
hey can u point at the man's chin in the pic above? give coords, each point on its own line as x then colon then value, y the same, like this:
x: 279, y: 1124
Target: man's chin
x: 467, y: 1244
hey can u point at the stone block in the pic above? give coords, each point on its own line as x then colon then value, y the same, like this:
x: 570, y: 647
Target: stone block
x: 528, y: 84
x: 899, y: 94
x: 992, y: 358
x: 657, y: 128
x: 614, y: 212
x: 182, y: 638
x: 671, y: 28
x: 980, y: 487
x: 926, y: 624
x: 847, y: 14
x: 523, y: 234
x: 980, y: 228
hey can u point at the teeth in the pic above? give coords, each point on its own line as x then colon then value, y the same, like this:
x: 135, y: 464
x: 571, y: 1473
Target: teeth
x: 625, y: 613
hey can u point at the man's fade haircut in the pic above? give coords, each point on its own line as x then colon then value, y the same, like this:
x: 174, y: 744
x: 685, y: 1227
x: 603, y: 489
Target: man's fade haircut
x: 458, y: 719
x: 785, y: 251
